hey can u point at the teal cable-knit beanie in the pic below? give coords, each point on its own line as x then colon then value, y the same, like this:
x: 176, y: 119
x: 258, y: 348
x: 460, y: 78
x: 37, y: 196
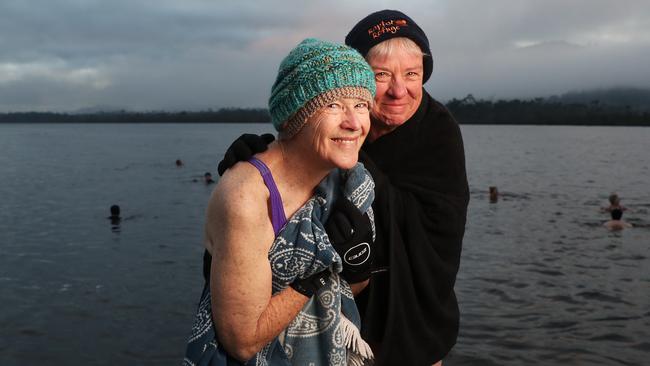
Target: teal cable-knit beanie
x: 314, y: 74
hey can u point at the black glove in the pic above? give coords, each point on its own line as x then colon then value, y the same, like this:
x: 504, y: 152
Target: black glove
x: 310, y: 285
x: 350, y: 233
x: 243, y: 148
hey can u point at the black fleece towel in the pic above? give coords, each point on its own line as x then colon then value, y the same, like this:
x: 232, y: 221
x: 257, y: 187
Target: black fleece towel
x: 420, y: 208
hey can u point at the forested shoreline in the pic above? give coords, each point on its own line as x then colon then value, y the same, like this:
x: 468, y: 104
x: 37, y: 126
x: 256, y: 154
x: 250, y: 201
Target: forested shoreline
x: 537, y: 111
x: 224, y: 115
x: 540, y: 111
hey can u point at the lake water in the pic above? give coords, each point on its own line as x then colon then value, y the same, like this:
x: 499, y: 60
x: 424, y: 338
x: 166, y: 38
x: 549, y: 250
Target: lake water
x: 541, y: 280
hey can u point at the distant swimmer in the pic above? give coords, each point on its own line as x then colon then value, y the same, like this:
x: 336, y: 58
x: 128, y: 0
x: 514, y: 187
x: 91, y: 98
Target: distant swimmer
x: 207, y: 178
x: 494, y: 194
x: 614, y: 204
x: 115, y: 213
x: 616, y: 223
x: 115, y: 218
x: 179, y: 163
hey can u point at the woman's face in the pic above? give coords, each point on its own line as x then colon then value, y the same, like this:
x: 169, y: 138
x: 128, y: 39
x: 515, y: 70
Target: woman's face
x: 399, y: 88
x: 335, y: 133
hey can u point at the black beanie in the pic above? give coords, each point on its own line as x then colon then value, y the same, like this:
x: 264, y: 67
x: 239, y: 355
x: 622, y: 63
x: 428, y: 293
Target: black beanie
x: 384, y: 25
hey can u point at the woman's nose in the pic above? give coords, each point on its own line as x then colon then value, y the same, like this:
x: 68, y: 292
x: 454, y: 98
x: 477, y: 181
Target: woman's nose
x: 397, y: 88
x: 351, y: 120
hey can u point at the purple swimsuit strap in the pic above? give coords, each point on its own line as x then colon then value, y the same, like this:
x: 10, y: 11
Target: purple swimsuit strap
x: 278, y: 218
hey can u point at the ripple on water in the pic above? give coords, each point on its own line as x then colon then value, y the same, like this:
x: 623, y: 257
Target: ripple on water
x: 31, y: 333
x: 637, y: 257
x: 470, y: 359
x: 593, y: 266
x: 612, y: 337
x: 546, y: 284
x: 595, y: 295
x: 564, y: 299
x: 547, y: 272
x: 504, y: 297
x: 164, y: 262
x: 497, y: 281
x: 559, y: 324
x: 525, y: 316
x: 617, y: 318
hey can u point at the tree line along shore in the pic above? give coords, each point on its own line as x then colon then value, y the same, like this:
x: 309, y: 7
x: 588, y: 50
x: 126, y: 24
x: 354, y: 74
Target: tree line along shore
x: 538, y: 111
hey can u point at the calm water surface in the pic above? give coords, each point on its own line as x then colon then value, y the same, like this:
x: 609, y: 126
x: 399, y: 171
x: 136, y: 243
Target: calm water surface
x: 540, y: 281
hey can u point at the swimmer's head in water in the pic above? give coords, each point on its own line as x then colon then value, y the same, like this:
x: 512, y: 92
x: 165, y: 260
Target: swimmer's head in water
x: 613, y: 199
x: 617, y: 214
x: 115, y: 210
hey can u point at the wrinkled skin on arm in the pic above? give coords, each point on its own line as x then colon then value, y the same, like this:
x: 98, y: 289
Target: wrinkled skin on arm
x: 239, y: 232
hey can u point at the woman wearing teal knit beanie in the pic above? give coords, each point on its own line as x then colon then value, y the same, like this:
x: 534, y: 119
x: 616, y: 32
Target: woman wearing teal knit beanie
x: 314, y: 74
x: 275, y: 292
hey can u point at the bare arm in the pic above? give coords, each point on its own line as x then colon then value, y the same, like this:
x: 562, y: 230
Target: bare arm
x: 246, y: 316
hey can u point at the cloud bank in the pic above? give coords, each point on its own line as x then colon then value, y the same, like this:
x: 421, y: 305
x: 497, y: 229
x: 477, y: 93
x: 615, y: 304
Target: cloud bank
x: 64, y: 55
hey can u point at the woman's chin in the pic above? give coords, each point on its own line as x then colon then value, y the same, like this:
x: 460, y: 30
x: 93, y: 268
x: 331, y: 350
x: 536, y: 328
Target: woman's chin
x: 346, y: 163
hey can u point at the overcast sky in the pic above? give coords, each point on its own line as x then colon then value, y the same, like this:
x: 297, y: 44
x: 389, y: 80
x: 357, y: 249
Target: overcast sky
x: 64, y: 55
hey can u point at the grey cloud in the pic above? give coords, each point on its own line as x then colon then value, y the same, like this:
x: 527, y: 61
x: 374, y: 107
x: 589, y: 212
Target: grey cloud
x: 503, y: 21
x: 67, y: 29
x: 543, y: 70
x: 196, y: 54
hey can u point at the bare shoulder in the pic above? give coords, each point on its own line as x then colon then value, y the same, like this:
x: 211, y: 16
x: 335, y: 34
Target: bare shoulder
x: 240, y: 186
x: 237, y: 207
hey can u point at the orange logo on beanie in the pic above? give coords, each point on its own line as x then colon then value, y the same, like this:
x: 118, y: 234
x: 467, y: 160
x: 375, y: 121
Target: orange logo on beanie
x: 386, y: 26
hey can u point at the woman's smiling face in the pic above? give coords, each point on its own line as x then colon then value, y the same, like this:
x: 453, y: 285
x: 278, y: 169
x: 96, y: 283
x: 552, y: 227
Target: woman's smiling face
x: 336, y: 132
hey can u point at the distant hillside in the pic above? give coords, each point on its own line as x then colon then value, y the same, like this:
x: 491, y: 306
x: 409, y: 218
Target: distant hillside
x: 606, y: 107
x: 634, y: 98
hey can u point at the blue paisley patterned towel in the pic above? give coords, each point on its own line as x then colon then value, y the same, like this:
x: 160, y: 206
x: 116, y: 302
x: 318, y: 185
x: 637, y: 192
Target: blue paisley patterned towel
x: 326, y: 331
